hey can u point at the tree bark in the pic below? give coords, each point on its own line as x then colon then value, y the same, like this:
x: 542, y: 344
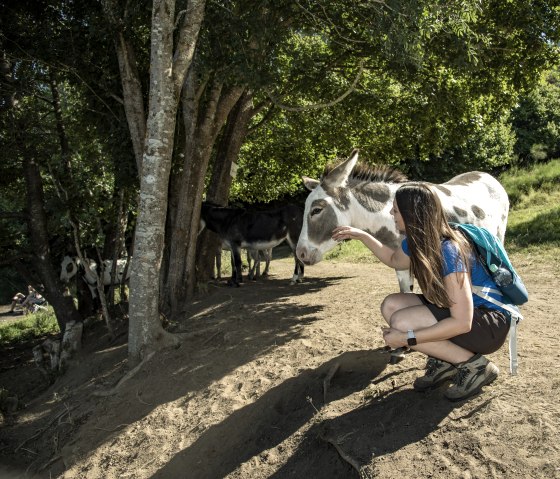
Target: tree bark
x: 133, y: 96
x: 166, y: 78
x: 181, y: 278
x: 38, y: 234
x: 228, y: 148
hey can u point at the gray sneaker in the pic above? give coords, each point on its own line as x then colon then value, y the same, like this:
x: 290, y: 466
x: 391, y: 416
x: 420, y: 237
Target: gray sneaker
x: 471, y: 376
x: 437, y: 372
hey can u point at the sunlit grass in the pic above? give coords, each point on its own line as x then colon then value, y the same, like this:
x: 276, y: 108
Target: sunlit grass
x: 28, y: 327
x: 351, y: 251
x: 521, y: 184
x: 536, y: 223
x: 534, y: 217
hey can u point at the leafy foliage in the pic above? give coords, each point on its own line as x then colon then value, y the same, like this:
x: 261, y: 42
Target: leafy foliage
x: 85, y: 153
x: 537, y: 121
x: 435, y: 98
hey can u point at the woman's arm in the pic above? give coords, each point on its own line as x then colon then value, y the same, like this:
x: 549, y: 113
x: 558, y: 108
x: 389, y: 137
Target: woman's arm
x: 458, y: 289
x: 394, y: 258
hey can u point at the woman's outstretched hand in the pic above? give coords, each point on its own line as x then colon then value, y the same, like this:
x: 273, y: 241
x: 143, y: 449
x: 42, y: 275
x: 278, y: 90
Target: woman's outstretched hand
x: 347, y: 232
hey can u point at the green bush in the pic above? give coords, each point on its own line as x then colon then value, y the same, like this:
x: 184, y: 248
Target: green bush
x: 536, y: 119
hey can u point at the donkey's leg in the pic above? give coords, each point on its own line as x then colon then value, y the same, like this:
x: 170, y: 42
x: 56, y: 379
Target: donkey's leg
x: 298, y: 270
x: 254, y: 260
x: 298, y: 267
x: 301, y: 268
x: 231, y: 282
x: 267, y: 257
x: 218, y: 265
x: 258, y: 262
x: 251, y: 263
x: 406, y: 283
x: 237, y: 270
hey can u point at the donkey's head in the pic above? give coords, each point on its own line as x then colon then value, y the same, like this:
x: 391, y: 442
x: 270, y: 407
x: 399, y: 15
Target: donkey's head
x: 326, y: 207
x: 68, y: 268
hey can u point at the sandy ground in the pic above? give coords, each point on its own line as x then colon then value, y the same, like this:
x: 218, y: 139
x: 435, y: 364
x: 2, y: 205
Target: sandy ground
x: 280, y: 381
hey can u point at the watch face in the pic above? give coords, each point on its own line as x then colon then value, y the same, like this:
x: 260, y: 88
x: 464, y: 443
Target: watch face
x: 411, y: 338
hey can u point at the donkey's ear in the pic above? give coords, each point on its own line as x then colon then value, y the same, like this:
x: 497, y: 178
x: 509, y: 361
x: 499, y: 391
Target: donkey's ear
x: 310, y: 183
x: 339, y: 175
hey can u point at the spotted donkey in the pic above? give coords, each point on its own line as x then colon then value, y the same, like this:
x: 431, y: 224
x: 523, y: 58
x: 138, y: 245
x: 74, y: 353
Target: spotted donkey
x: 363, y: 198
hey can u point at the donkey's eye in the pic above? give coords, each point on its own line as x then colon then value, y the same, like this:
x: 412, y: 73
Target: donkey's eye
x: 316, y: 211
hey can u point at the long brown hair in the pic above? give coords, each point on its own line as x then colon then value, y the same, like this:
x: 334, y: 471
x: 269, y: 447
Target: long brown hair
x: 425, y: 227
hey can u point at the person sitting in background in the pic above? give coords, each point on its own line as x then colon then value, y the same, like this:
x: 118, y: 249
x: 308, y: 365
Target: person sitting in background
x: 33, y: 298
x: 17, y: 300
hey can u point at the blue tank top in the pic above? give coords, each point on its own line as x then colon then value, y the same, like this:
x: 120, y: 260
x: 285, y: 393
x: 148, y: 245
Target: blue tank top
x: 454, y: 264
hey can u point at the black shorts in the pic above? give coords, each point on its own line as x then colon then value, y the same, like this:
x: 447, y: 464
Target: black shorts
x: 488, y: 332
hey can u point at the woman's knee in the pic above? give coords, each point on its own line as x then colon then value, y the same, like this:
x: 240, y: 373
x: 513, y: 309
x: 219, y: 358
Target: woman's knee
x: 400, y: 320
x: 391, y: 304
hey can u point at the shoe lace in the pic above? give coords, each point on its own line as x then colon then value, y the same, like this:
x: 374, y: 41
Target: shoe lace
x: 461, y: 375
x: 432, y: 366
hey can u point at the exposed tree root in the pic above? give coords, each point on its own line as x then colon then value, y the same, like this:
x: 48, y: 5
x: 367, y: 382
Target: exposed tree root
x: 126, y: 377
x: 327, y: 380
x: 51, y: 422
x: 364, y: 472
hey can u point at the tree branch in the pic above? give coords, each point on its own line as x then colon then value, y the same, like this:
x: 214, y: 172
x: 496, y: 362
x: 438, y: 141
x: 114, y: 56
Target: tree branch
x: 318, y: 106
x: 10, y: 215
x: 14, y: 259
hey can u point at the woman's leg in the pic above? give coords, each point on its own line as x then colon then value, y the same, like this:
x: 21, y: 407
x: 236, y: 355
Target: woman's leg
x: 397, y: 301
x: 404, y: 311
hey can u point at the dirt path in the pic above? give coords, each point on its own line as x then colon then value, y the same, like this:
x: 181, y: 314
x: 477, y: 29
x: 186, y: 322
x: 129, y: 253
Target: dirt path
x: 248, y: 394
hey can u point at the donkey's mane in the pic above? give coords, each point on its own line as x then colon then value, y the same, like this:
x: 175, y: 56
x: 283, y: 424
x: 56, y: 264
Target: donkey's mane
x: 377, y: 174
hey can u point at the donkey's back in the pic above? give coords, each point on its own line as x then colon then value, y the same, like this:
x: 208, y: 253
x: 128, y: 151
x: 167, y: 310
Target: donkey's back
x: 476, y: 198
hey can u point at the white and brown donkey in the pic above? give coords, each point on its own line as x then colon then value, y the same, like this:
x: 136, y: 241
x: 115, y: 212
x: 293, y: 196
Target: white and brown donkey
x: 363, y: 198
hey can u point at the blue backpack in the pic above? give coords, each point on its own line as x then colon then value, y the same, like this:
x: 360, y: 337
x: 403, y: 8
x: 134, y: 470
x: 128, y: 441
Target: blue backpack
x: 493, y: 255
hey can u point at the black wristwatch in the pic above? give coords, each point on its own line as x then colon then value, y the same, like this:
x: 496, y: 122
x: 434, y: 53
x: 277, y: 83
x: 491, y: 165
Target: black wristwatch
x: 411, y: 338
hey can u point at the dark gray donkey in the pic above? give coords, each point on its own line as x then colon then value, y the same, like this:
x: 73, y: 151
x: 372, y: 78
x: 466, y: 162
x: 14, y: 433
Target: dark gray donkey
x: 258, y: 230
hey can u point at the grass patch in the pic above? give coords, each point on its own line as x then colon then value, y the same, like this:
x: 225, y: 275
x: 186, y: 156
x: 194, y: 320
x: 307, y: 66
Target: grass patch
x: 534, y: 217
x: 351, y: 251
x: 29, y: 327
x: 522, y: 183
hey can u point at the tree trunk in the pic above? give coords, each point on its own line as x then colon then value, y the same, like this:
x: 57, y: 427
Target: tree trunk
x: 166, y: 78
x: 38, y: 233
x: 133, y: 97
x: 181, y: 278
x: 234, y: 134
